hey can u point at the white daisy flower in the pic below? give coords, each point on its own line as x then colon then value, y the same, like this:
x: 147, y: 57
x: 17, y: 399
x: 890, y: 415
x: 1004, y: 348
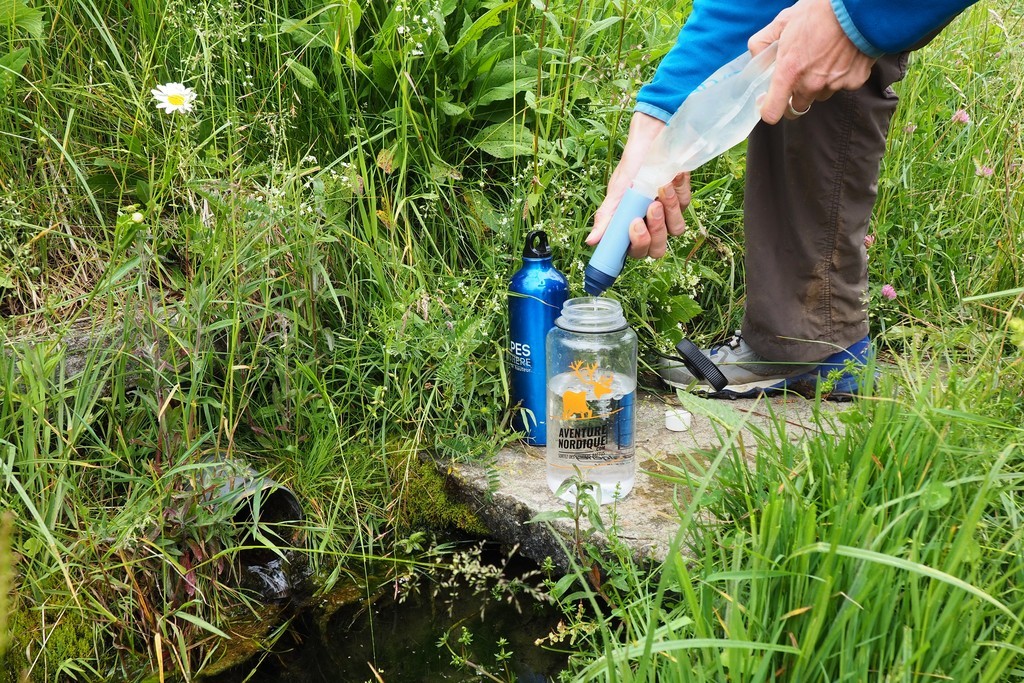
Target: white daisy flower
x: 174, y: 97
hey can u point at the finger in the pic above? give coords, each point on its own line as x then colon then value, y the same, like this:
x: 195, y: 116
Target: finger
x: 681, y: 183
x: 762, y: 39
x: 669, y: 199
x: 775, y: 101
x: 797, y: 106
x: 657, y: 230
x: 769, y: 34
x: 639, y: 239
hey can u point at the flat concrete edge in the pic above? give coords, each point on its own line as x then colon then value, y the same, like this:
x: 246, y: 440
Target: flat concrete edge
x: 648, y: 520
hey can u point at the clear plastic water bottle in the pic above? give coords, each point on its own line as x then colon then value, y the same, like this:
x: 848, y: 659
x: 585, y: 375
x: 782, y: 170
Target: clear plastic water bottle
x: 591, y: 398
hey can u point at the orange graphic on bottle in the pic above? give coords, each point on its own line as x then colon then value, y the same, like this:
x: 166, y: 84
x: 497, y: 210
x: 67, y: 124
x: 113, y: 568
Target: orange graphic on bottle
x: 574, y: 403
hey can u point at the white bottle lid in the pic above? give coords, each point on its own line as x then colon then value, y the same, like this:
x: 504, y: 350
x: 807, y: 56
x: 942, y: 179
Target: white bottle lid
x: 677, y: 420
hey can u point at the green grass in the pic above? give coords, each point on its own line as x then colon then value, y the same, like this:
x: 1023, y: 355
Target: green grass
x: 889, y: 552
x: 316, y: 284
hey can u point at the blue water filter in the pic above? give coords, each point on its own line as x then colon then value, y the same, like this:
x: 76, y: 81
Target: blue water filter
x: 608, y: 258
x: 535, y: 297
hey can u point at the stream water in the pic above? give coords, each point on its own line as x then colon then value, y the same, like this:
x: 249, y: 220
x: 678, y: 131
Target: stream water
x: 393, y: 641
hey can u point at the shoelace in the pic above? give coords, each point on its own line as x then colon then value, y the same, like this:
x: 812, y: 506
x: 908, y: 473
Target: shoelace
x: 733, y: 342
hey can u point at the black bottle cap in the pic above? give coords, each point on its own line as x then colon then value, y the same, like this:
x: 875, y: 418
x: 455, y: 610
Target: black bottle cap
x: 537, y: 245
x: 700, y: 366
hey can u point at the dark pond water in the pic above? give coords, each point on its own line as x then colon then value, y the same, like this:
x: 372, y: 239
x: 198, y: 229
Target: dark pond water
x: 399, y: 642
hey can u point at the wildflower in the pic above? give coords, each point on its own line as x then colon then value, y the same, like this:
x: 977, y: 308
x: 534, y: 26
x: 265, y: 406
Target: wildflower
x: 868, y: 241
x: 909, y: 128
x: 1017, y: 332
x: 889, y: 292
x: 961, y: 116
x: 983, y: 170
x: 174, y: 97
x: 137, y: 217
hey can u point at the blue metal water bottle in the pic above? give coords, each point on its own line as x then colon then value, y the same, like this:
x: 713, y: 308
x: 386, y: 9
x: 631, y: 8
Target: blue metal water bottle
x: 535, y: 297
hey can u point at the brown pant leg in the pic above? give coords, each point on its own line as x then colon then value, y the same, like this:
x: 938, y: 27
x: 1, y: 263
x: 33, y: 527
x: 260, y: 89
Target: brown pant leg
x: 810, y: 189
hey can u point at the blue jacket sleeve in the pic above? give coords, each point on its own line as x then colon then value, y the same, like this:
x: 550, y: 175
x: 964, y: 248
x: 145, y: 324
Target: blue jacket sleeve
x: 716, y: 32
x: 879, y: 27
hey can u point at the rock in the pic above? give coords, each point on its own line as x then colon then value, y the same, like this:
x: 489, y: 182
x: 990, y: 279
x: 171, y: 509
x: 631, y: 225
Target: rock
x: 648, y: 519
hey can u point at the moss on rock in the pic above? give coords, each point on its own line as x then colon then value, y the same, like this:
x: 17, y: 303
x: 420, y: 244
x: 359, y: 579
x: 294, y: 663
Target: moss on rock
x: 68, y: 637
x: 426, y: 502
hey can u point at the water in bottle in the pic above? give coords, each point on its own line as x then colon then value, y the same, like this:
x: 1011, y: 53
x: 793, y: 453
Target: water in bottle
x: 591, y: 399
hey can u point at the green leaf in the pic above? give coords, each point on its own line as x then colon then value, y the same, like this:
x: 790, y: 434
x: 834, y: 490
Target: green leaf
x: 303, y: 74
x: 908, y: 566
x: 935, y: 496
x: 505, y: 140
x: 302, y: 34
x: 18, y: 14
x: 553, y: 22
x: 585, y: 90
x: 680, y: 309
x: 507, y: 77
x: 641, y: 649
x: 386, y: 66
x: 717, y: 411
x: 31, y: 546
x: 355, y: 61
x: 450, y: 108
x: 202, y: 623
x: 441, y: 172
x: 994, y: 295
x: 493, y: 52
x: 104, y: 183
x: 347, y: 18
x: 104, y: 162
x: 550, y: 516
x: 563, y: 584
x: 756, y: 575
x: 448, y: 6
x: 142, y: 191
x: 476, y: 30
x: 11, y: 65
x: 597, y: 27
x: 504, y: 91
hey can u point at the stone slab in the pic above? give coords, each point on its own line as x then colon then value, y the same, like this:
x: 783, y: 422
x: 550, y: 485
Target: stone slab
x: 648, y: 518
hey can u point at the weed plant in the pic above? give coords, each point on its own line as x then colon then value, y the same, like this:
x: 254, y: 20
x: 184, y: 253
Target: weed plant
x: 308, y: 272
x: 890, y: 551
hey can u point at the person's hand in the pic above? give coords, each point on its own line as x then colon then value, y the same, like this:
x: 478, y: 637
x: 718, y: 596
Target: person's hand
x: 816, y: 59
x: 664, y: 215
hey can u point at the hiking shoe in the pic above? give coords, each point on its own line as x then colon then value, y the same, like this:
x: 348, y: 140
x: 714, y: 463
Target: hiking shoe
x: 748, y: 375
